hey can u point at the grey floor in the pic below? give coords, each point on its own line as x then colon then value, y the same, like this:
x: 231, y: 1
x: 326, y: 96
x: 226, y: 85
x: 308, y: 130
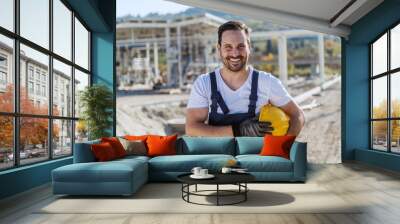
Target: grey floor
x: 378, y: 188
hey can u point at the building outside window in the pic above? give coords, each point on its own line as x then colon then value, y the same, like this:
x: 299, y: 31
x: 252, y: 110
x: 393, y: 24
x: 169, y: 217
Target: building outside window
x: 30, y: 87
x: 3, y: 72
x: 3, y: 61
x: 30, y: 72
x: 3, y: 78
x: 43, y: 90
x: 38, y: 89
x: 44, y: 77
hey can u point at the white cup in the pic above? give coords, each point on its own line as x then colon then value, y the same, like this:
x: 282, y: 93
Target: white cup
x: 203, y: 172
x: 196, y: 170
x: 226, y: 170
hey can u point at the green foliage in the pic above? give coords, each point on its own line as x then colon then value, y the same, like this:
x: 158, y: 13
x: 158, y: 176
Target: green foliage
x: 96, y: 102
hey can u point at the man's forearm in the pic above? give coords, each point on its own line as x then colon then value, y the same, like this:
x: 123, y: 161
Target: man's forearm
x: 202, y: 129
x: 296, y: 124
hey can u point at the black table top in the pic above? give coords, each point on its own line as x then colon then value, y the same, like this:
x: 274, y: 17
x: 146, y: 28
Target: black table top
x: 220, y: 178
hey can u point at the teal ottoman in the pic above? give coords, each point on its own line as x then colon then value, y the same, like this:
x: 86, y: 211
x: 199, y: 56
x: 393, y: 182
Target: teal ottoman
x: 118, y: 177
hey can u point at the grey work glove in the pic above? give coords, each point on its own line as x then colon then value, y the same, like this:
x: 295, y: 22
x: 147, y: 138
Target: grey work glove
x: 252, y: 127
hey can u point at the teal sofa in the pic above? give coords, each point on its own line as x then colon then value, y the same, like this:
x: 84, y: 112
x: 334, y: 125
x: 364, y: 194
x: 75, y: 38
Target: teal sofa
x: 125, y: 176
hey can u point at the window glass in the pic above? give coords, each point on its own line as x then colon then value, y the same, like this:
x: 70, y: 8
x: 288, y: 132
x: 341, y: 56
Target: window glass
x: 395, y: 47
x: 62, y: 91
x: 7, y: 14
x: 6, y: 142
x: 6, y: 75
x: 34, y: 21
x: 395, y: 136
x: 395, y: 94
x: 33, y: 140
x: 62, y: 141
x: 379, y: 98
x: 81, y: 82
x: 34, y: 81
x: 379, y: 56
x: 379, y: 135
x: 62, y: 29
x: 81, y: 45
x: 39, y: 62
x: 81, y: 131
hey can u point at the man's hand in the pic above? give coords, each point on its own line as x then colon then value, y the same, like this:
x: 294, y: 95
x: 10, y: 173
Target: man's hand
x: 252, y: 127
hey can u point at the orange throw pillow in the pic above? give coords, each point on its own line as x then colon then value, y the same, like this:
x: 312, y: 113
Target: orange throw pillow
x: 277, y: 145
x: 161, y: 145
x: 103, y: 151
x: 116, y: 145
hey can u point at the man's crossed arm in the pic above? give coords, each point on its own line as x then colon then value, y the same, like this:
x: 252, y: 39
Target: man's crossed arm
x: 196, y: 126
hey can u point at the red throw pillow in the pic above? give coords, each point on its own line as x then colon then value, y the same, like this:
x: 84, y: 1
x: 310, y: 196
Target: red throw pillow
x: 161, y: 145
x: 103, y: 151
x: 116, y: 145
x: 277, y: 145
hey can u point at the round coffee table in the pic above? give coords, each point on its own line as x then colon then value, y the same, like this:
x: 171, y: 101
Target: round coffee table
x: 238, y: 179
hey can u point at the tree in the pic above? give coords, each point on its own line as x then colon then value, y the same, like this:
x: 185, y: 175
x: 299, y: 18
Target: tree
x: 380, y: 127
x: 6, y: 122
x: 33, y: 130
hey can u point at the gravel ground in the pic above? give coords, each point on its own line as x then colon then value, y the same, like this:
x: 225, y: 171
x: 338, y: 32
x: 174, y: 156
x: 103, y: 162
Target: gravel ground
x: 322, y: 130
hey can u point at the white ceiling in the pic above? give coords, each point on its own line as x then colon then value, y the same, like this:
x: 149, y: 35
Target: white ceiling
x: 314, y: 15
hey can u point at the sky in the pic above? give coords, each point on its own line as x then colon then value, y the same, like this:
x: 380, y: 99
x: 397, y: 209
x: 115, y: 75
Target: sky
x: 125, y: 7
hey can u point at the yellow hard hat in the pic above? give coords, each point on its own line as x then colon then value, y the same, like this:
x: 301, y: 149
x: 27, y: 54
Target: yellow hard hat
x: 278, y: 118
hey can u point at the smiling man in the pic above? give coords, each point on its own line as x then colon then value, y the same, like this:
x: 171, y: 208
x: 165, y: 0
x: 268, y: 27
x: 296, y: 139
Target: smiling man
x: 226, y: 102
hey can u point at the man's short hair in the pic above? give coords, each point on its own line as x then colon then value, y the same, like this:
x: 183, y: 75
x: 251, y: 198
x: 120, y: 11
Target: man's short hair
x: 232, y: 25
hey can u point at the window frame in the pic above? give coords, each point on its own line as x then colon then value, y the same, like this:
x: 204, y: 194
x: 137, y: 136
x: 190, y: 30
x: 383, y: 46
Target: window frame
x: 388, y: 74
x: 16, y: 114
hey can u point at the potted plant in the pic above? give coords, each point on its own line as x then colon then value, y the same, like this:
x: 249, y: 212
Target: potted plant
x: 96, y: 103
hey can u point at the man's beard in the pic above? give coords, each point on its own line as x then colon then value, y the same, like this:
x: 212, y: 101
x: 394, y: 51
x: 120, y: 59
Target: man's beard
x: 236, y: 65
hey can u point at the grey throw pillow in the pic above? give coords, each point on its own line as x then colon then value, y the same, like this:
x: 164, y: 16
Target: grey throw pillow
x: 134, y: 147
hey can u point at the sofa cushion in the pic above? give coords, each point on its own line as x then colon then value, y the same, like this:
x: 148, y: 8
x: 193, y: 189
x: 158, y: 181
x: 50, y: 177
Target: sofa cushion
x: 161, y: 145
x: 249, y: 145
x: 185, y: 163
x: 111, y: 171
x: 206, y: 145
x: 116, y: 145
x: 103, y: 152
x: 93, y: 172
x: 129, y: 159
x: 257, y: 163
x: 118, y: 177
x: 134, y: 147
x: 277, y: 145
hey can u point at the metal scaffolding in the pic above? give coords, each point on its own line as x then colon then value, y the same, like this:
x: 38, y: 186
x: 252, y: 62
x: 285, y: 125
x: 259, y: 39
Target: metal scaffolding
x: 174, y: 52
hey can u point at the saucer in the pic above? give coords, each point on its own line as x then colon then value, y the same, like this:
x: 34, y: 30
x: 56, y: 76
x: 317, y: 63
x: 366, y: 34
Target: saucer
x: 208, y: 176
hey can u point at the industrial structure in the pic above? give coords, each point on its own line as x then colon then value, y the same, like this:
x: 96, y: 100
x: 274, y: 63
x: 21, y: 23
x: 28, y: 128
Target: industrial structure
x: 174, y: 52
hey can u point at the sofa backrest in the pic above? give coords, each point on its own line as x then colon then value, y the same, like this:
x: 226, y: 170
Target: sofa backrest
x: 206, y: 145
x: 249, y: 145
x: 191, y: 146
x: 83, y: 152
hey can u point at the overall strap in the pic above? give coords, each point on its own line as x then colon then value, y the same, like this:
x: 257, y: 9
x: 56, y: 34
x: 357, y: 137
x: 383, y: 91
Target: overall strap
x: 216, y: 97
x: 253, y: 95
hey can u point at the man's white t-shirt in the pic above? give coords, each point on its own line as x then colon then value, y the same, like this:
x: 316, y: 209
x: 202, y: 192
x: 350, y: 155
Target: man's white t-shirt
x: 270, y: 90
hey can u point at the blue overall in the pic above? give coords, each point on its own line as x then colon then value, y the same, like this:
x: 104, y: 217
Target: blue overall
x: 217, y: 119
